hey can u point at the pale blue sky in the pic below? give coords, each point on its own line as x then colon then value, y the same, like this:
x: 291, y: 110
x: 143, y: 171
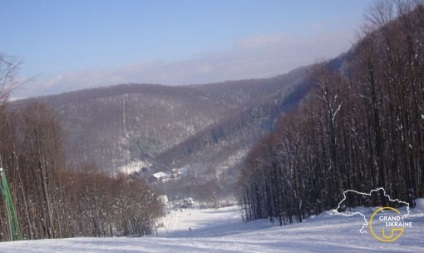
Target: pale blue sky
x: 77, y: 44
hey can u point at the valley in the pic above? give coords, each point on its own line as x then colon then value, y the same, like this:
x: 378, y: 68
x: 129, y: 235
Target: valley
x: 207, y: 129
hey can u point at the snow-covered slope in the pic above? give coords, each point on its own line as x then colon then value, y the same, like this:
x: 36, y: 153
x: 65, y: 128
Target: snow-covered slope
x: 222, y: 230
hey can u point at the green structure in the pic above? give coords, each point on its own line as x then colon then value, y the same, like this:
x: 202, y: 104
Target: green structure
x: 15, y: 230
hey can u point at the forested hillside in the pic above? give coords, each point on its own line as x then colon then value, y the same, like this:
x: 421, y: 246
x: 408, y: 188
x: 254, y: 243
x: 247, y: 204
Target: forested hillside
x: 266, y: 101
x: 207, y: 129
x: 117, y: 125
x: 213, y: 156
x: 361, y: 128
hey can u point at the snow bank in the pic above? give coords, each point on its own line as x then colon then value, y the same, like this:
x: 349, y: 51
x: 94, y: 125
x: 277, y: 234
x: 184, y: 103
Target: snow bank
x: 221, y: 230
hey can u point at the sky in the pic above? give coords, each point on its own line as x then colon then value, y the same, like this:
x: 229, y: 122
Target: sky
x: 77, y: 44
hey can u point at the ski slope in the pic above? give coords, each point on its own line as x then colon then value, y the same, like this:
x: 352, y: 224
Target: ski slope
x: 223, y: 231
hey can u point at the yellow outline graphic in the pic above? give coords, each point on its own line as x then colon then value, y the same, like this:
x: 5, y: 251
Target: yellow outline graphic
x: 386, y: 238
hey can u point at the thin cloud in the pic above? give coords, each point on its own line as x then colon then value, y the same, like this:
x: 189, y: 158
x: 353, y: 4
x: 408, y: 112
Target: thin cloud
x: 255, y: 57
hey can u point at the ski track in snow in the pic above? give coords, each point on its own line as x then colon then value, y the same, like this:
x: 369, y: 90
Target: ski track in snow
x: 223, y: 231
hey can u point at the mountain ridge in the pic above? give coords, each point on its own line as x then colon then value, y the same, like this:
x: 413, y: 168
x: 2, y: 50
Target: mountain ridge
x: 116, y: 125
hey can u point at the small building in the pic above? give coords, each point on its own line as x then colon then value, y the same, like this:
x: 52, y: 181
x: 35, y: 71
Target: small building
x: 188, y: 202
x: 158, y: 177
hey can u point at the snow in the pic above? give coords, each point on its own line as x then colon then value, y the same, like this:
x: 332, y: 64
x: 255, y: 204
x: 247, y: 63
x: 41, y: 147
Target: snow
x: 160, y: 175
x: 222, y: 230
x: 133, y: 167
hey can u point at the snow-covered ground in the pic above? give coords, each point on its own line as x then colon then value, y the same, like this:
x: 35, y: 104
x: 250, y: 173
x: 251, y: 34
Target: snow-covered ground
x: 223, y: 231
x: 132, y: 167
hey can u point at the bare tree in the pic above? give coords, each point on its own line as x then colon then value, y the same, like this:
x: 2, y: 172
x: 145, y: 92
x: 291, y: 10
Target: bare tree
x: 8, y: 69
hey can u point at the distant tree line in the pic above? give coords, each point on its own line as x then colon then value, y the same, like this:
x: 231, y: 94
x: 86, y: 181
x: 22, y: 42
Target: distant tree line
x: 51, y: 200
x: 362, y: 127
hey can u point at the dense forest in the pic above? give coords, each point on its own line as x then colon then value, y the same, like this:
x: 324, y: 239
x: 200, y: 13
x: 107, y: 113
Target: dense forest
x: 362, y: 127
x: 46, y: 199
